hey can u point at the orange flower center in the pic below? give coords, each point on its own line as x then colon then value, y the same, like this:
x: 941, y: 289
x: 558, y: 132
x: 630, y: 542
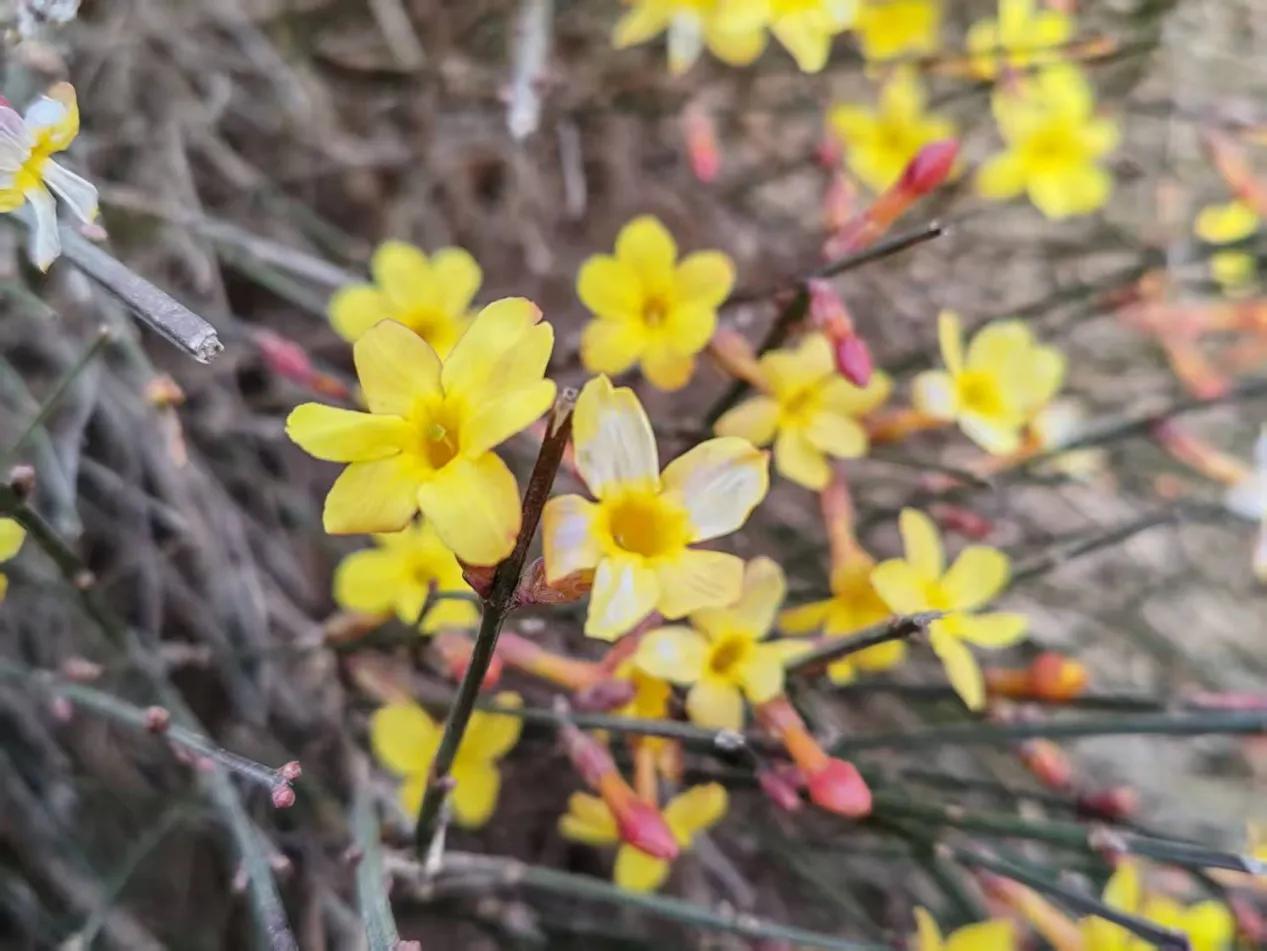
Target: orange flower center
x: 646, y: 525
x: 729, y: 654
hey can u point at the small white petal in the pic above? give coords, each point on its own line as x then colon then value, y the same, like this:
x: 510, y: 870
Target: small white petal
x: 79, y: 194
x: 45, y: 245
x: 43, y: 113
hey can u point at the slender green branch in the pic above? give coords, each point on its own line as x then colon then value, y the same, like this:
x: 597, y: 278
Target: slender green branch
x: 511, y: 873
x: 497, y: 606
x: 894, y: 629
x: 371, y: 890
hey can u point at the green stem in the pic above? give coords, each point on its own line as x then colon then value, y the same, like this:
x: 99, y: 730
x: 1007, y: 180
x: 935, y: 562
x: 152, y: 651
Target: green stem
x: 371, y: 892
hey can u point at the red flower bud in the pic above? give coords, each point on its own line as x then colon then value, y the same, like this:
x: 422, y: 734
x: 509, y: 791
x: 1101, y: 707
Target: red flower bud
x: 930, y: 167
x: 1047, y: 762
x: 1111, y: 805
x: 641, y: 825
x: 962, y: 521
x: 853, y: 359
x: 838, y: 787
x: 1053, y: 676
x: 285, y: 357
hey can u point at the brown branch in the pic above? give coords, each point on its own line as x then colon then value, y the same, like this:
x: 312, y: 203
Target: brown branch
x: 834, y: 648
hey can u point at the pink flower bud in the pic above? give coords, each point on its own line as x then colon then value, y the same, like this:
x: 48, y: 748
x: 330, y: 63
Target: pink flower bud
x: 157, y: 719
x: 1047, y: 762
x: 930, y: 167
x: 283, y: 796
x: 838, y: 787
x: 962, y: 521
x: 702, y: 149
x: 285, y: 357
x: 780, y: 788
x: 641, y: 825
x: 290, y: 771
x: 853, y: 359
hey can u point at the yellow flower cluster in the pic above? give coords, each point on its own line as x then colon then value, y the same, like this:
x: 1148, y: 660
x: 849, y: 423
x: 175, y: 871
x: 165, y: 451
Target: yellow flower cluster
x: 993, y: 935
x: 1208, y: 925
x: 1224, y: 224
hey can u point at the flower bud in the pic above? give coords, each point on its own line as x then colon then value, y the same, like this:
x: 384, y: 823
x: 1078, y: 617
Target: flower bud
x: 930, y: 167
x: 853, y: 359
x: 1110, y: 805
x: 838, y: 787
x: 702, y: 149
x: 641, y: 825
x: 780, y: 784
x: 603, y: 696
x: 1047, y: 762
x: 1053, y: 676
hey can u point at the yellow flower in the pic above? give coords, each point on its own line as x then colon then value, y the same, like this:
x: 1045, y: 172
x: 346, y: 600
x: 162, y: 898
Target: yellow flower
x: 27, y: 171
x: 806, y: 27
x: 431, y: 296
x: 721, y: 656
x: 1208, y: 925
x: 687, y: 814
x: 891, y: 28
x: 921, y: 582
x: 853, y: 605
x: 11, y: 537
x: 809, y: 411
x: 649, y: 308
x: 405, y: 739
x: 636, y: 537
x: 994, y: 935
x: 398, y: 576
x: 733, y: 30
x: 1021, y: 37
x: 1224, y: 224
x: 1005, y: 379
x: 878, y: 143
x: 1054, y: 143
x: 426, y: 441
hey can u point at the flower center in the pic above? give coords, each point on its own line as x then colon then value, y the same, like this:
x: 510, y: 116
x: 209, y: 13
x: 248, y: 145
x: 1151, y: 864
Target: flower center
x: 980, y: 393
x: 729, y: 654
x: 935, y: 596
x: 440, y: 437
x: 654, y: 310
x: 799, y: 405
x: 647, y: 525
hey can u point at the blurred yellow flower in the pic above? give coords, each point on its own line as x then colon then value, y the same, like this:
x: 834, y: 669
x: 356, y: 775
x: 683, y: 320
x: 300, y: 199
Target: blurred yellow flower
x: 398, y: 575
x: 405, y: 738
x: 721, y: 656
x: 993, y: 935
x: 808, y: 410
x: 921, y: 582
x: 1208, y: 925
x: 806, y: 27
x: 853, y: 605
x: 429, y: 295
x: 426, y: 441
x: 1020, y: 37
x: 1054, y: 144
x: 733, y: 30
x: 27, y: 171
x: 687, y: 814
x: 636, y: 537
x: 1223, y: 224
x: 1005, y: 379
x: 891, y: 28
x: 649, y: 308
x: 11, y: 537
x: 878, y: 143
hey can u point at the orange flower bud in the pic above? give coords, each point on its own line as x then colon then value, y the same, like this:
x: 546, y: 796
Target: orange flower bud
x: 1053, y: 676
x: 1111, y: 805
x: 1047, y: 762
x: 833, y: 784
x: 702, y: 149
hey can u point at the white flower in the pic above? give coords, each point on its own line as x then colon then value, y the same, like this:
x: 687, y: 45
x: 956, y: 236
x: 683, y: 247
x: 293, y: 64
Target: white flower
x: 27, y: 171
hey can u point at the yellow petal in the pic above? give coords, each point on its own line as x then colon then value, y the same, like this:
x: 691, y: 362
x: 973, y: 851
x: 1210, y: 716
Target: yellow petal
x: 379, y: 496
x: 403, y: 274
x: 625, y: 591
x: 612, y: 346
x: 4, y: 585
x: 11, y: 537
x: 755, y: 420
x: 753, y: 612
x: 694, y: 810
x: 737, y: 46
x: 675, y: 653
x: 505, y: 347
x: 371, y: 580
x: 344, y: 435
x: 640, y: 24
x: 928, y: 935
x: 567, y: 537
x: 1209, y: 925
x: 646, y: 246
x: 1076, y: 191
x: 490, y: 736
x: 843, y: 397
x: 496, y: 420
x: 997, y: 629
x: 696, y: 580
x: 687, y: 329
x: 983, y: 936
x: 1230, y: 221
x: 950, y: 337
x: 805, y: 619
x: 410, y: 793
x: 837, y: 435
x: 636, y: 871
x: 1233, y: 270
x: 457, y: 277
x: 921, y: 543
x: 1122, y: 891
x: 610, y: 288
x: 665, y: 368
x: 704, y: 279
x: 998, y: 343
x: 719, y: 483
x: 615, y: 447
x: 762, y: 676
x: 796, y: 458
x: 588, y: 820
x: 474, y: 506
x: 933, y: 394
x: 900, y: 586
x: 1002, y: 176
x: 475, y: 789
x: 961, y: 668
x: 808, y: 41
x: 404, y: 738
x: 716, y: 705
x: 357, y: 308
x: 978, y: 574
x: 396, y: 368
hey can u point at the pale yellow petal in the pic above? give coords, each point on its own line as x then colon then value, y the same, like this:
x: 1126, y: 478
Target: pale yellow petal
x: 641, y: 23
x: 1227, y: 222
x: 588, y: 820
x: 687, y: 328
x: 998, y: 436
x: 490, y: 736
x: 396, y: 368
x: 505, y: 347
x: 762, y: 676
x: 457, y: 277
x: 344, y: 435
x: 356, y: 308
x: 665, y: 368
x: 636, y: 871
x: 495, y: 420
x: 933, y: 393
x: 1122, y: 890
x: 625, y: 591
x: 716, y: 705
x: 646, y: 246
x: 615, y: 447
x: 753, y: 613
x: 567, y: 536
x: 843, y: 397
x: 696, y: 580
x: 475, y: 789
x: 806, y: 37
x: 928, y: 935
x: 368, y: 497
x: 921, y: 543
x: 1001, y: 176
x: 755, y: 420
x: 798, y: 459
x: 610, y: 288
x: 719, y: 483
x: 996, y: 629
x: 950, y: 338
x: 961, y: 669
x: 739, y: 46
x: 692, y: 811
x: 370, y: 580
x: 837, y: 435
x: 805, y: 619
x: 675, y: 653
x: 978, y: 574
x: 403, y: 273
x: 996, y: 935
x: 900, y: 586
x: 404, y: 738
x: 474, y: 506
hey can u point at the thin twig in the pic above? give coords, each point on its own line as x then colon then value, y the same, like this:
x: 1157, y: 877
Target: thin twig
x: 497, y: 606
x: 511, y: 873
x: 532, y: 39
x: 833, y: 648
x: 371, y: 890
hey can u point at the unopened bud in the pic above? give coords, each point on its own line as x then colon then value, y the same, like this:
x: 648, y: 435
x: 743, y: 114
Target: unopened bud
x: 285, y: 357
x: 454, y: 649
x: 1053, y: 676
x: 780, y: 787
x: 164, y: 392
x: 838, y: 787
x: 157, y: 719
x: 1111, y: 805
x: 80, y: 669
x: 641, y: 825
x: 702, y: 149
x: 290, y: 771
x: 930, y: 167
x: 283, y: 796
x: 853, y: 359
x: 962, y: 521
x: 62, y: 709
x: 604, y: 696
x: 22, y: 481
x: 1048, y: 763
